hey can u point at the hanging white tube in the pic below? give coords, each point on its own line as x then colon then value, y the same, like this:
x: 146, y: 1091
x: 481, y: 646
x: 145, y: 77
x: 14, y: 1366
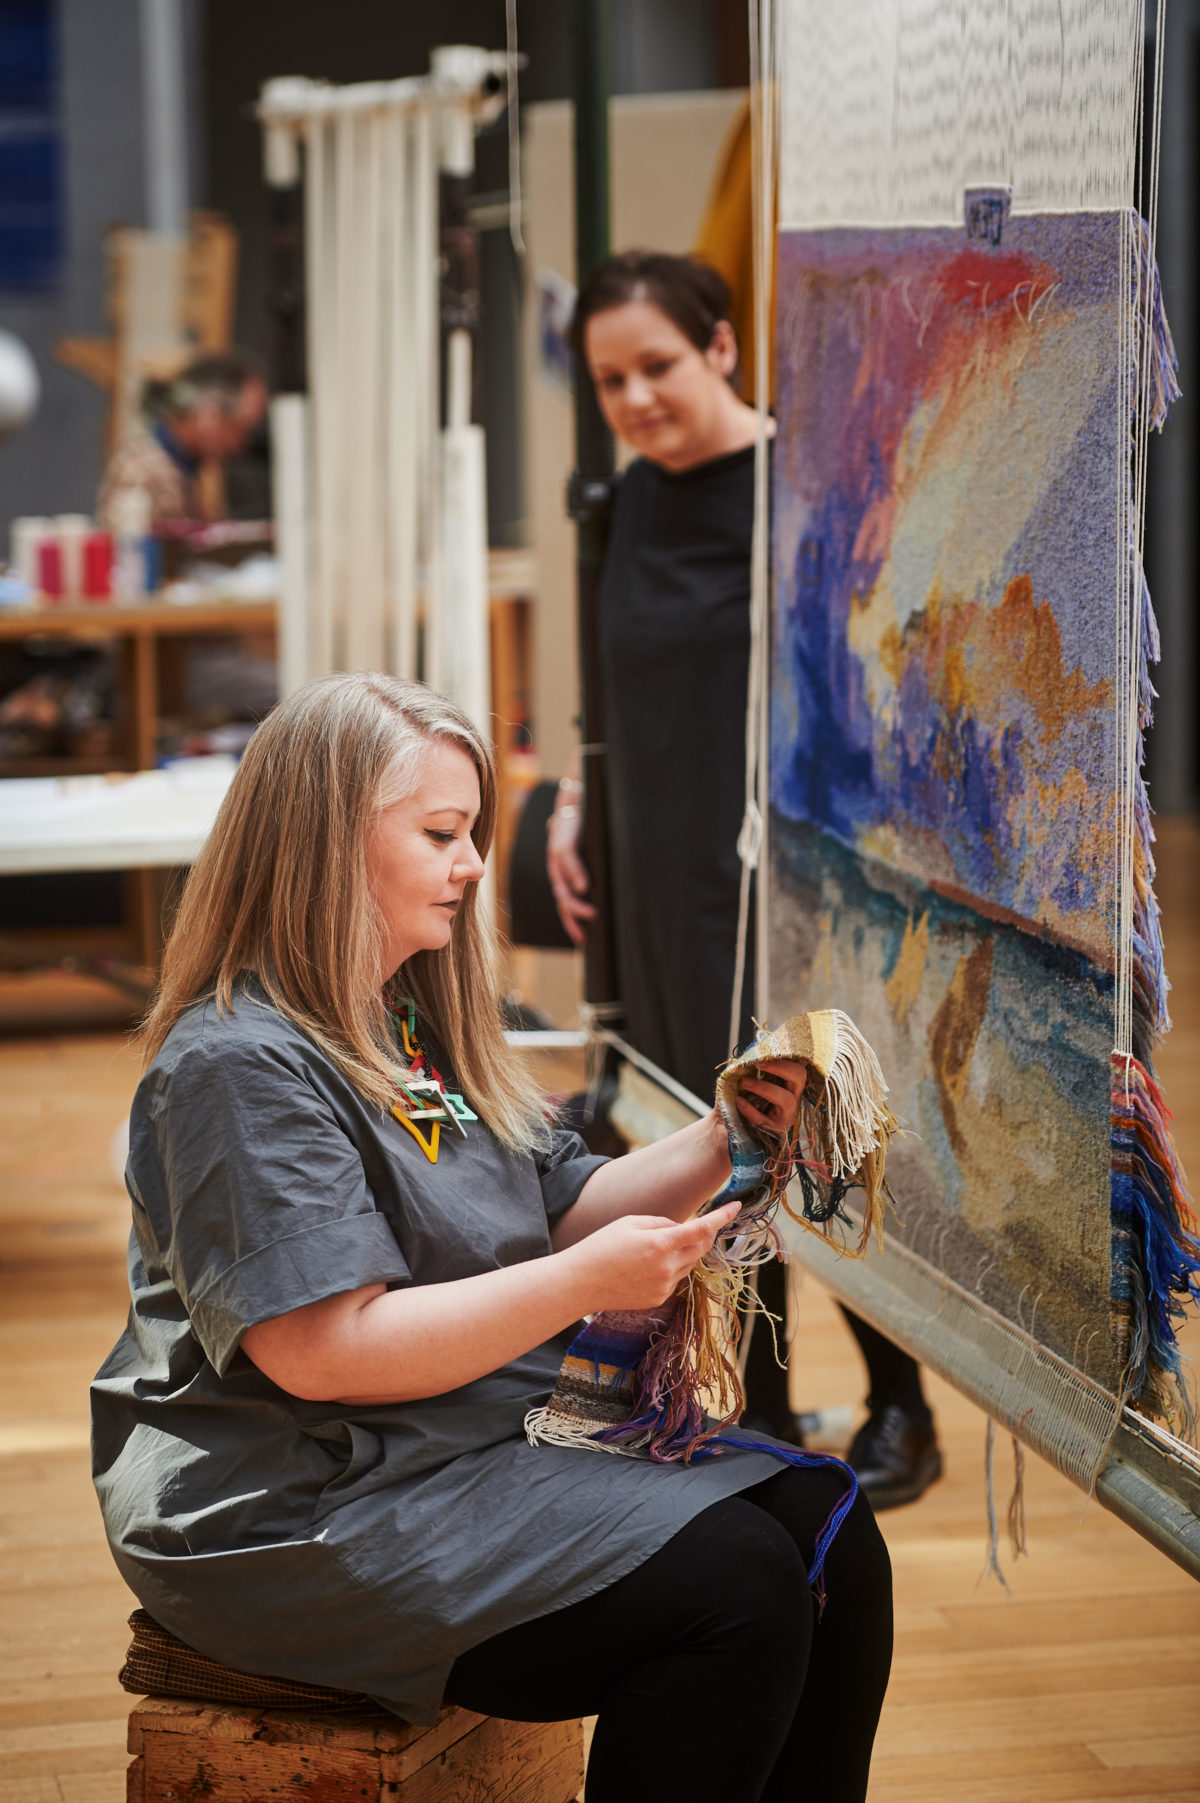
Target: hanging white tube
x: 400, y: 513
x: 465, y: 674
x: 364, y: 598
x: 290, y: 480
x: 427, y: 351
x: 321, y: 254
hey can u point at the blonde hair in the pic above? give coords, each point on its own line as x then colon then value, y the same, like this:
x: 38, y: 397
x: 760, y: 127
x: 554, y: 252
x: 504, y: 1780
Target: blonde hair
x: 281, y: 892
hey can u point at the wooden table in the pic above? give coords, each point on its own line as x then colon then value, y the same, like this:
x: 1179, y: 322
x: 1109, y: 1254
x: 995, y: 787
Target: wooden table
x: 143, y: 630
x: 149, y: 819
x: 138, y: 629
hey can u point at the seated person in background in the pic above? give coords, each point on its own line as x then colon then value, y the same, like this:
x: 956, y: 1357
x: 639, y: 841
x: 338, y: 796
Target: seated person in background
x: 194, y: 423
x: 205, y: 414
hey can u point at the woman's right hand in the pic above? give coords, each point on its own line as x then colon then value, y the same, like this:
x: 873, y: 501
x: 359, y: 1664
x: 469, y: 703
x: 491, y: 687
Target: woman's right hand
x: 568, y: 875
x: 637, y: 1261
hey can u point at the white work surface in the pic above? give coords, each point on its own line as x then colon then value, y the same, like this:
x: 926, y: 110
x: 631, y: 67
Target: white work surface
x: 154, y: 819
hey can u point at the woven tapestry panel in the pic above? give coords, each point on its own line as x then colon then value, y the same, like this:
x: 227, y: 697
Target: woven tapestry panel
x: 951, y: 450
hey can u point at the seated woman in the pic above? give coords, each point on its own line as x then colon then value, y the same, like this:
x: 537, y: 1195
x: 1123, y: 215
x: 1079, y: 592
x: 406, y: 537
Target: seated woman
x: 309, y: 1442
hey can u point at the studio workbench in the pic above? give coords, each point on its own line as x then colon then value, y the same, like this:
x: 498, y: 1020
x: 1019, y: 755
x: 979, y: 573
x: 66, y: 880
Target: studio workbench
x: 139, y: 631
x: 158, y: 825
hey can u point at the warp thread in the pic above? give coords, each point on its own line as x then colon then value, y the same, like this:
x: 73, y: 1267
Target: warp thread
x: 663, y: 1384
x: 1016, y: 1505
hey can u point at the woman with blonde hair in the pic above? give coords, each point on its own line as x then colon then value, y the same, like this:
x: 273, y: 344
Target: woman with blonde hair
x: 309, y: 1443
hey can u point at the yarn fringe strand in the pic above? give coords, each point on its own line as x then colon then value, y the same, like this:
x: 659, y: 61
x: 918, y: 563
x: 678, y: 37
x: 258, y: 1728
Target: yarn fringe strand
x: 1155, y: 1250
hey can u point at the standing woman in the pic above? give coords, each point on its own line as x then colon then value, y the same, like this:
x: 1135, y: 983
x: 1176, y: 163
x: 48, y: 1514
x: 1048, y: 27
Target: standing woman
x: 309, y: 1443
x: 675, y: 647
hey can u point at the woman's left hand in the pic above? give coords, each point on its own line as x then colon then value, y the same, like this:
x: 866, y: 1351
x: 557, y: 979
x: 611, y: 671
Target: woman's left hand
x: 770, y: 1095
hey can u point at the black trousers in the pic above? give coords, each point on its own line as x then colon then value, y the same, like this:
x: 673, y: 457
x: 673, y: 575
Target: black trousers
x: 712, y: 1677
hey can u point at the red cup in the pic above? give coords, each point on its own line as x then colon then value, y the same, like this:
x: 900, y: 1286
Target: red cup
x: 50, y: 569
x: 97, y: 566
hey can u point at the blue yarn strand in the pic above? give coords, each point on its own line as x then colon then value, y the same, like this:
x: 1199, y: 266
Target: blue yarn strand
x: 796, y: 1456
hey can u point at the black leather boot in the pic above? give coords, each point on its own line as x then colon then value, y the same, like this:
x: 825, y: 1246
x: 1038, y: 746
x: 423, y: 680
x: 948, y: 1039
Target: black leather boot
x: 895, y: 1456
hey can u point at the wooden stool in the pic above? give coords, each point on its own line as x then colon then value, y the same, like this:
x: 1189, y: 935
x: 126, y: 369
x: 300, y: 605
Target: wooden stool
x: 204, y: 1732
x: 186, y: 1752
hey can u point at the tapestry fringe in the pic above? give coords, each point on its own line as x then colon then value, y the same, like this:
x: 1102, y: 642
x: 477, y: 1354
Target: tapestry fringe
x: 859, y: 1120
x: 844, y: 1123
x: 1150, y: 985
x: 547, y: 1427
x: 1155, y: 1251
x: 1164, y: 387
x: 1156, y: 355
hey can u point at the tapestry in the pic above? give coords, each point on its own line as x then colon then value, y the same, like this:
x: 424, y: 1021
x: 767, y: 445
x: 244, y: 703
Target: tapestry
x: 953, y: 561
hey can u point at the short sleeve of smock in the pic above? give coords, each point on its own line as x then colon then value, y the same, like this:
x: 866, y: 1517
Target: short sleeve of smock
x: 563, y: 1170
x: 255, y: 1195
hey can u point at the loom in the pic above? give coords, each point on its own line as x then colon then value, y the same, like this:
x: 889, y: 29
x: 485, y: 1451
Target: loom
x: 951, y: 684
x: 898, y: 129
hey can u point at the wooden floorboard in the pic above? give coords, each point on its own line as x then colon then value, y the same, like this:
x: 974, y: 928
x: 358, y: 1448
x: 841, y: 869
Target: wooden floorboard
x: 1080, y: 1683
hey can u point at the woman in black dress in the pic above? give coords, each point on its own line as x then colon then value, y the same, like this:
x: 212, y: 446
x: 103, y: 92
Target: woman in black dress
x: 675, y: 643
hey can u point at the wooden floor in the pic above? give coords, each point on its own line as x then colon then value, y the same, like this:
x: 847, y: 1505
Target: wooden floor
x: 1081, y: 1683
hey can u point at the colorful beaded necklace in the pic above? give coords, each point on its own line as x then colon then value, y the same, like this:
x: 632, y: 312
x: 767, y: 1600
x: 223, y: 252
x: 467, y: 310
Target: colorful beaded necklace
x: 423, y: 1093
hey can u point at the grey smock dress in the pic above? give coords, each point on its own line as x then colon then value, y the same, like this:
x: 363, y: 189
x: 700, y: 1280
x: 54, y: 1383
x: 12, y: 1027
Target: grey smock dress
x: 343, y: 1544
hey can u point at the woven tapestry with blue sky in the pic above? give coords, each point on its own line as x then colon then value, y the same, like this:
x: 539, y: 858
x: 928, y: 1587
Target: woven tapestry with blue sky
x: 958, y: 854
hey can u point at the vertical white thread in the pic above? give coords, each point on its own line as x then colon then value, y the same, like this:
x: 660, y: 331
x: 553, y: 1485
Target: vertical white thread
x: 1137, y: 397
x: 892, y: 107
x: 1125, y: 686
x: 763, y: 113
x: 514, y: 130
x: 1124, y: 659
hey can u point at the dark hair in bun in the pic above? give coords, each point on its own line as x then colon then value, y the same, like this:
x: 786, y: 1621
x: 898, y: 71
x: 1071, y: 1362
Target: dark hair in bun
x: 693, y: 296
